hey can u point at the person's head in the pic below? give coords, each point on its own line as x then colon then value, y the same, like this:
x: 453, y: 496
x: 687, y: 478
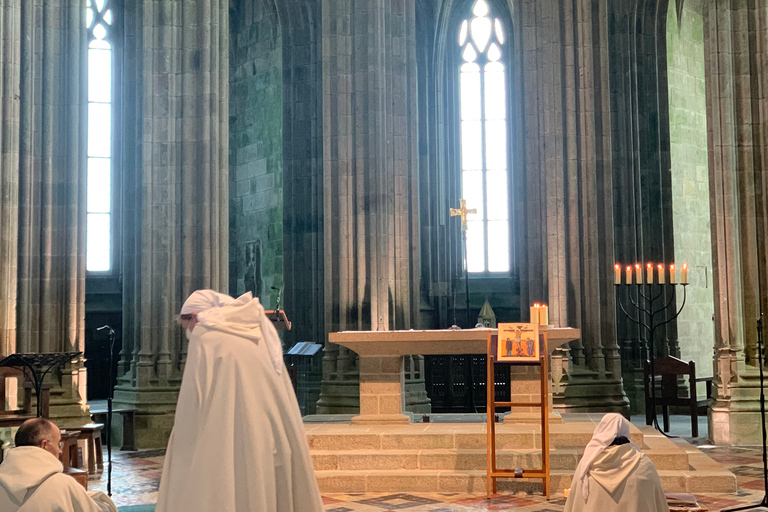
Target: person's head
x: 188, y: 321
x: 612, y: 425
x: 42, y: 433
x: 200, y: 301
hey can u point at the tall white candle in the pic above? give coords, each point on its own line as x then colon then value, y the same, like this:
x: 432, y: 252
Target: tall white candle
x: 649, y: 273
x: 684, y: 274
x: 672, y: 274
x: 629, y: 275
x: 661, y: 274
x: 617, y: 274
x: 544, y: 315
x: 638, y: 274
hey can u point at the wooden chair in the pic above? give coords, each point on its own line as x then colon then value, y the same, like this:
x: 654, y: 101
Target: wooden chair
x: 15, y: 417
x: 670, y: 369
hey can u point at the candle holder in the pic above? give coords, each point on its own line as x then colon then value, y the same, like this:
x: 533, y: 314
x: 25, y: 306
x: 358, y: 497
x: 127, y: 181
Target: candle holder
x: 647, y: 314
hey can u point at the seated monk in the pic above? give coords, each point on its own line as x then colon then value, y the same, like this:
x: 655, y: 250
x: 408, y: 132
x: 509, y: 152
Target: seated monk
x: 32, y: 478
x: 614, y: 475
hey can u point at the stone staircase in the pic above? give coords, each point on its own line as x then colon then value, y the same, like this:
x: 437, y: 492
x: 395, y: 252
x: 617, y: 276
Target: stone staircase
x: 451, y: 457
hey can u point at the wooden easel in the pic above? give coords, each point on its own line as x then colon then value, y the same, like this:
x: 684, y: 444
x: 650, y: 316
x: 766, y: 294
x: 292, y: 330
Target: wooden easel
x: 493, y: 473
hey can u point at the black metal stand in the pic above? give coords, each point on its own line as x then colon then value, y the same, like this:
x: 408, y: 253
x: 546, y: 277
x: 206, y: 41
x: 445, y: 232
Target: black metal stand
x: 760, y: 362
x: 110, y: 394
x: 37, y: 366
x: 651, y: 326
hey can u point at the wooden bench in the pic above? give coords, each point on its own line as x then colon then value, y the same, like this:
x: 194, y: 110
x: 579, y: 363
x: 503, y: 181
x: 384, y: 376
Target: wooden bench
x: 99, y: 415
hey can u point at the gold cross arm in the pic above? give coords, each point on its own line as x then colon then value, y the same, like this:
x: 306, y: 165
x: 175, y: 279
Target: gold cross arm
x: 463, y: 212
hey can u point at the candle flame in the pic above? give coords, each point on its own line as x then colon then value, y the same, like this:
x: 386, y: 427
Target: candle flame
x: 661, y: 266
x: 637, y: 265
x: 672, y: 266
x: 629, y: 268
x: 617, y: 266
x: 685, y: 265
x: 650, y: 265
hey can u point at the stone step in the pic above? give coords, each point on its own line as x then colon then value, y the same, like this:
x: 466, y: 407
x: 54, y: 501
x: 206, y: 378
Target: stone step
x: 715, y: 481
x: 448, y: 436
x: 447, y: 459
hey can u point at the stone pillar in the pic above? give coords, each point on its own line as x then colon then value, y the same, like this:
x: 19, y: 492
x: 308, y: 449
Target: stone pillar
x: 175, y: 182
x: 568, y: 214
x: 369, y: 179
x: 42, y: 189
x: 736, y: 49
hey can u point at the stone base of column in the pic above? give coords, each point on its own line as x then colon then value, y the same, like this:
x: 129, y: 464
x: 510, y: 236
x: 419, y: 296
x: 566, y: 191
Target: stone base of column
x: 339, y: 397
x: 381, y: 419
x: 736, y: 420
x: 416, y: 399
x: 155, y: 410
x: 584, y: 392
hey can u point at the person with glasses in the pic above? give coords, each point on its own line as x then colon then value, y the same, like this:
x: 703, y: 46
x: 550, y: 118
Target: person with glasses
x: 32, y: 478
x: 238, y: 441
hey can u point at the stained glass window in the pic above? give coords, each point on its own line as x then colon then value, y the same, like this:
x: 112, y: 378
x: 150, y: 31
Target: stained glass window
x: 99, y: 147
x: 484, y: 152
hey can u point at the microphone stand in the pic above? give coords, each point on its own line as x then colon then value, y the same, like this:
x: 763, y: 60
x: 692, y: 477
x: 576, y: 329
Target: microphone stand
x: 111, y: 333
x: 760, y: 362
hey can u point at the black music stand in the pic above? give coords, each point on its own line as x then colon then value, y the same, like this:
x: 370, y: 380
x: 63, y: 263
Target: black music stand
x: 37, y: 366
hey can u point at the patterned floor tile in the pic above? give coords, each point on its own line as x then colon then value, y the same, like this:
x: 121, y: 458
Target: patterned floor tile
x: 136, y: 478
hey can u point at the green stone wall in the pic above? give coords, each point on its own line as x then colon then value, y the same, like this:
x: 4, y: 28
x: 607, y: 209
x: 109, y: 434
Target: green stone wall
x: 256, y: 151
x: 690, y: 180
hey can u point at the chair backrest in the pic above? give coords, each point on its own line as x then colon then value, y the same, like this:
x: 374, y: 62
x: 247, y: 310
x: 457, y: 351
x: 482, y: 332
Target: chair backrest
x: 670, y: 368
x: 13, y: 373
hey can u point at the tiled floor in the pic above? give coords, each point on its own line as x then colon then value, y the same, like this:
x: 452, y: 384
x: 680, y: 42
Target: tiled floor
x: 136, y: 476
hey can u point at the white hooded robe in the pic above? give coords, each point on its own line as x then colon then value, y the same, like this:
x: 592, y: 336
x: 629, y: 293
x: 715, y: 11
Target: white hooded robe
x: 238, y: 441
x: 615, y: 478
x: 32, y: 480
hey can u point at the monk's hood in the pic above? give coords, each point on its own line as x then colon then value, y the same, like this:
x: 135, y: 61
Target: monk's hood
x: 613, y: 466
x: 246, y: 321
x: 26, y: 467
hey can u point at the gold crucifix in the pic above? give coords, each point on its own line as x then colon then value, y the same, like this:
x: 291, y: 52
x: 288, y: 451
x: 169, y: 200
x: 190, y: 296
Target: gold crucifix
x: 463, y: 212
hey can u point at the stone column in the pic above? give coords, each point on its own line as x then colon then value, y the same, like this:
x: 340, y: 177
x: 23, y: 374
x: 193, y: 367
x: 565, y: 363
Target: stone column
x: 175, y: 183
x: 736, y: 49
x: 568, y: 214
x: 42, y: 189
x: 369, y: 179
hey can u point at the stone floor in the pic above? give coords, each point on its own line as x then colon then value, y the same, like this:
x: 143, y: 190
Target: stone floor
x: 136, y: 477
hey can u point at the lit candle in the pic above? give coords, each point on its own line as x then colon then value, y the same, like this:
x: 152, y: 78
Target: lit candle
x: 661, y: 274
x: 544, y: 315
x: 672, y: 275
x: 638, y: 274
x: 535, y: 313
x: 649, y: 273
x: 684, y: 274
x: 617, y: 274
x: 629, y: 275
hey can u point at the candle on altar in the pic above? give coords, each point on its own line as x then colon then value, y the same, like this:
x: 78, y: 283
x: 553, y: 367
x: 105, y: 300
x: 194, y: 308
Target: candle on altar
x: 661, y: 274
x: 629, y: 274
x: 535, y: 313
x: 638, y: 274
x: 672, y: 275
x: 617, y: 274
x: 684, y: 274
x: 649, y: 273
x: 544, y: 315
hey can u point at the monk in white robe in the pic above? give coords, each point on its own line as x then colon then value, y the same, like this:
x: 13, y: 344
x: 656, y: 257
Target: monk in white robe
x: 238, y: 441
x: 32, y: 478
x: 614, y: 475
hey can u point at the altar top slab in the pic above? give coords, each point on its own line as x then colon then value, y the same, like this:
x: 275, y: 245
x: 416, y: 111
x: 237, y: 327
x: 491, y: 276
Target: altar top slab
x: 434, y: 342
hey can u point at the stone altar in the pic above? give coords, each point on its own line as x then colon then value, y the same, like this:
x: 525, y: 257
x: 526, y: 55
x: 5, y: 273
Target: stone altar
x: 381, y: 365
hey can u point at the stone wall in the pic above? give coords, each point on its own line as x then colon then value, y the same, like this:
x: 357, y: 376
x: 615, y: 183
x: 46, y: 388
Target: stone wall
x: 256, y: 151
x: 690, y: 181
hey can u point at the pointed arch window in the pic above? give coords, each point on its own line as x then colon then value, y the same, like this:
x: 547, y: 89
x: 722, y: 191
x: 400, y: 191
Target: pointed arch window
x: 99, y: 234
x: 484, y: 139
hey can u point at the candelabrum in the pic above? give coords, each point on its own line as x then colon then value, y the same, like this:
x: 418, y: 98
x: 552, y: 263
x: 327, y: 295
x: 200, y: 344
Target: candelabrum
x: 650, y: 308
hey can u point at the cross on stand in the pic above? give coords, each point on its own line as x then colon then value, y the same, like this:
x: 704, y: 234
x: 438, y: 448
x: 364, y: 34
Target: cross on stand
x: 462, y: 212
